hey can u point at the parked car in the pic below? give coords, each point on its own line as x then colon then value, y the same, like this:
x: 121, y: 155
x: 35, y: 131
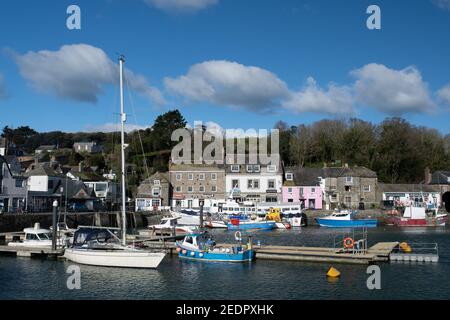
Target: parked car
x: 77, y: 207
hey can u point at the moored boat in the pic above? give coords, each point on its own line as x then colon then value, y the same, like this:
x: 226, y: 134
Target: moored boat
x: 168, y: 226
x: 202, y: 247
x: 245, y: 224
x: 344, y: 219
x: 414, y: 216
x: 36, y: 238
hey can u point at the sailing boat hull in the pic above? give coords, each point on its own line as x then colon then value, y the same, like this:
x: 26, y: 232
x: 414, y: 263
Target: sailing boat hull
x: 115, y: 258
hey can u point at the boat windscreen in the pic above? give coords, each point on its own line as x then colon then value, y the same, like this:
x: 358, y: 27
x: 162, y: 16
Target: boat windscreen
x: 83, y: 236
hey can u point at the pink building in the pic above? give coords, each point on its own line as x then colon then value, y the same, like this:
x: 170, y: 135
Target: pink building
x: 298, y: 188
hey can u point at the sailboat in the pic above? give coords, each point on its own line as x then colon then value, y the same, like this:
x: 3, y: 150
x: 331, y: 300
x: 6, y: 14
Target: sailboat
x: 102, y: 246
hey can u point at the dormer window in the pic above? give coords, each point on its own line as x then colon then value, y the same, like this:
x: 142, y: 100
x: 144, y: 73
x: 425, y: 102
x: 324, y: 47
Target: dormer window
x: 256, y: 168
x: 235, y: 168
x: 289, y: 176
x: 157, y: 182
x: 250, y: 168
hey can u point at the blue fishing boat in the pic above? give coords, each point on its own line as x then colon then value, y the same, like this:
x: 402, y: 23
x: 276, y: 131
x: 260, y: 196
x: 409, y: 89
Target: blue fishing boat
x: 202, y: 247
x: 237, y: 223
x: 344, y: 219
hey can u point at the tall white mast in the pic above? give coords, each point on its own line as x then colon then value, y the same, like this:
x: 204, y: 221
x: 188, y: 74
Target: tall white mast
x: 123, y: 119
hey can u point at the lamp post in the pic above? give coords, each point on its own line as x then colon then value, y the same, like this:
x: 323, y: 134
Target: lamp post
x: 55, y: 212
x: 201, y: 203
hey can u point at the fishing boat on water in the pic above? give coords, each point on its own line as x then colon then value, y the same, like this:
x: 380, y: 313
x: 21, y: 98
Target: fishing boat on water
x: 243, y: 222
x: 102, y: 246
x: 202, y: 247
x: 168, y: 225
x: 419, y: 216
x: 345, y: 219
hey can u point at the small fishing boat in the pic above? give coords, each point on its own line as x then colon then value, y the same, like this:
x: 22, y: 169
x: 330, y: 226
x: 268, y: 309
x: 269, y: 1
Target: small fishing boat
x: 202, y: 247
x: 344, y: 219
x: 213, y: 224
x: 414, y: 216
x: 274, y: 214
x: 239, y: 223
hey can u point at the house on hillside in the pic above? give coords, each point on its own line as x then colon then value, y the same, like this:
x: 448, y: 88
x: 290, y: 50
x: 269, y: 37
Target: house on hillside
x: 12, y: 185
x: 45, y: 148
x: 154, y: 193
x: 87, y: 147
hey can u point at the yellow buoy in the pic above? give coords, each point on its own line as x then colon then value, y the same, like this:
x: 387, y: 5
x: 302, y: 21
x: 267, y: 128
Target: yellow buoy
x: 405, y: 247
x: 333, y: 273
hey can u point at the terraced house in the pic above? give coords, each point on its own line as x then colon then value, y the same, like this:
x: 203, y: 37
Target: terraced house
x: 190, y: 183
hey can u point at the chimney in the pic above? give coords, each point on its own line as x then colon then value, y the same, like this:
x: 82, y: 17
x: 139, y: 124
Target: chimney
x: 80, y: 166
x: 427, y: 175
x: 346, y: 165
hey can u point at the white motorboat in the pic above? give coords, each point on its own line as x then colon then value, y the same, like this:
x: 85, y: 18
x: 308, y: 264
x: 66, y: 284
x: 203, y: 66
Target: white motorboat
x: 169, y: 225
x: 101, y: 246
x: 187, y: 217
x: 36, y: 238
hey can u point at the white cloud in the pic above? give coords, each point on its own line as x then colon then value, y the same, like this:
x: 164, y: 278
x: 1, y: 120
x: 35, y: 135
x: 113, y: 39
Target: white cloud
x: 181, y: 5
x: 3, y: 94
x: 334, y: 100
x: 443, y: 4
x: 444, y: 95
x: 78, y: 72
x: 231, y: 84
x: 112, y: 127
x: 392, y: 91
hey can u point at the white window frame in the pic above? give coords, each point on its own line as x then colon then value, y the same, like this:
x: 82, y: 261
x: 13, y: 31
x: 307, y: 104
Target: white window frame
x: 178, y: 189
x: 178, y: 176
x: 271, y: 168
x: 201, y: 176
x: 190, y: 176
x: 349, y: 179
x: 213, y: 188
x: 274, y: 184
x: 192, y: 189
x: 157, y: 182
x: 202, y: 189
x: 256, y: 168
x: 249, y: 168
x: 158, y: 192
x: 289, y: 176
x: 365, y: 189
x: 213, y: 176
x: 235, y: 168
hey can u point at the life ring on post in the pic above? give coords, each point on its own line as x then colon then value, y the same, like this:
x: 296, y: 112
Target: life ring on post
x: 349, y: 243
x: 238, y: 236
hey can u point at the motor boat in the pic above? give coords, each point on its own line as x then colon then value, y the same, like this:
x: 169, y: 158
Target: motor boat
x: 202, y: 247
x: 418, y: 216
x: 36, y: 238
x: 167, y: 226
x: 344, y: 219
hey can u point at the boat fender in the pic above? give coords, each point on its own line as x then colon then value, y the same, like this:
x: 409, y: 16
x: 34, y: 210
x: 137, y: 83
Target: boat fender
x: 178, y: 250
x: 192, y: 253
x: 227, y: 250
x: 184, y: 251
x: 349, y: 243
x: 200, y: 255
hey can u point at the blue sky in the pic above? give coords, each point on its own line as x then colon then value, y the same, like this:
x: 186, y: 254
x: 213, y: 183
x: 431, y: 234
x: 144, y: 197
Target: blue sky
x: 241, y: 64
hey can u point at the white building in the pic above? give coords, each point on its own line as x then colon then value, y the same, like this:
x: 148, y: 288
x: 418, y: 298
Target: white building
x: 254, y: 182
x: 407, y: 194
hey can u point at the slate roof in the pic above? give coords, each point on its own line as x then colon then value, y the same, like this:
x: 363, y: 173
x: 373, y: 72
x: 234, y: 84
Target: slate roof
x: 440, y: 177
x: 402, y: 188
x: 309, y: 176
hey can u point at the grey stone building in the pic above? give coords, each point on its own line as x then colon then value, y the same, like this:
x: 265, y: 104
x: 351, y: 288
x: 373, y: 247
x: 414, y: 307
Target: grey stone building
x: 190, y: 183
x: 88, y: 147
x: 154, y: 193
x: 12, y: 185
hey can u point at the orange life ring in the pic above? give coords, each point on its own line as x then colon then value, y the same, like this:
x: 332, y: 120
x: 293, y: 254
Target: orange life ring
x: 349, y: 243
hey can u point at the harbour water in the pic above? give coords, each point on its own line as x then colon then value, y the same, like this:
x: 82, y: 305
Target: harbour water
x: 25, y: 278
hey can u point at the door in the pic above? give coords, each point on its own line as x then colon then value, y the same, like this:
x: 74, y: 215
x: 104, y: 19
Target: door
x: 312, y: 203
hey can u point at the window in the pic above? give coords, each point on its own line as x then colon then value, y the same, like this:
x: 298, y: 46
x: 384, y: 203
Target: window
x: 155, y: 203
x: 249, y: 168
x: 333, y: 197
x: 348, y: 200
x: 213, y: 189
x: 235, y: 183
x: 190, y: 176
x: 157, y: 182
x: 349, y: 179
x: 213, y: 176
x: 366, y: 188
x: 178, y: 189
x: 333, y: 187
x: 155, y: 192
x: 271, y: 184
x: 253, y: 184
x: 313, y: 190
x: 178, y: 176
x: 289, y: 176
x: 235, y: 168
x: 19, y: 183
x: 301, y: 191
x: 201, y: 176
x: 50, y: 184
x: 190, y: 189
x: 256, y: 168
x: 101, y: 187
x: 202, y: 189
x: 289, y: 190
x: 348, y: 188
x: 271, y: 168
